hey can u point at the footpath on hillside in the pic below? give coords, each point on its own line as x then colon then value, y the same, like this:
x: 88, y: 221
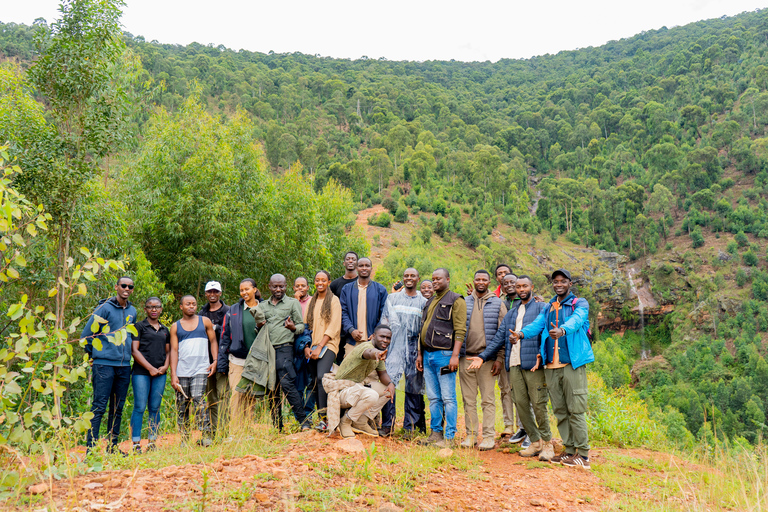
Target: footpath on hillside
x: 313, y: 464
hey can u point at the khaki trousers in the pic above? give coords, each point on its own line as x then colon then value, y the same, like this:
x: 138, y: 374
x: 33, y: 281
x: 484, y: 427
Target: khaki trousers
x: 471, y: 382
x: 241, y: 406
x: 363, y: 401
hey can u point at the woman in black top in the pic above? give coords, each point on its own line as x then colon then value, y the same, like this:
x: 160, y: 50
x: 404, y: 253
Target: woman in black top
x: 150, y: 362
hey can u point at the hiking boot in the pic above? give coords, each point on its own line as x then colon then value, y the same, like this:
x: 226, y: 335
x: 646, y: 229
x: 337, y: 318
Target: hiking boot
x: 345, y: 427
x: 488, y: 443
x: 519, y: 436
x: 558, y: 459
x: 363, y: 427
x: 547, y: 451
x: 576, y: 461
x: 508, y: 430
x: 469, y: 442
x: 205, y: 442
x: 385, y: 432
x: 433, y: 438
x: 447, y: 443
x: 533, y: 449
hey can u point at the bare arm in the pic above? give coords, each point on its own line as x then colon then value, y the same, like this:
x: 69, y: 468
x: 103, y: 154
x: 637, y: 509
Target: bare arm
x: 139, y: 358
x: 211, y: 332
x: 384, y: 378
x: 174, y: 359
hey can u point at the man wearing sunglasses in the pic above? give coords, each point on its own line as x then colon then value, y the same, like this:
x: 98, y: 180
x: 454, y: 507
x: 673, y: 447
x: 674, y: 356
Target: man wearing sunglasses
x: 110, y: 355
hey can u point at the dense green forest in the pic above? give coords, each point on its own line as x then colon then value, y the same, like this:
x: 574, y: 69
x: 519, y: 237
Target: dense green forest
x: 654, y: 146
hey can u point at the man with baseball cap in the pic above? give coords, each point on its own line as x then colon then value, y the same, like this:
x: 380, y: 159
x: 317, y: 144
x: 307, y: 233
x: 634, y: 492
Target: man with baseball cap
x: 565, y: 352
x: 218, y: 387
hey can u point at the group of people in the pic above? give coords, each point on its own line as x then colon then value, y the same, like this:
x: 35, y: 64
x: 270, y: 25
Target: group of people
x: 338, y: 355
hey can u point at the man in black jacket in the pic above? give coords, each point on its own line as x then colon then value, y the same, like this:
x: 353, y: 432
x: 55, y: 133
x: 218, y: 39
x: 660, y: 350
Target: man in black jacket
x: 528, y: 384
x: 216, y: 393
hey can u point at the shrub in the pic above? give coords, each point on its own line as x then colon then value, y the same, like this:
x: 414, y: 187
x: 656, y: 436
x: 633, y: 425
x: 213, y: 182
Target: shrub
x: 750, y: 258
x: 390, y: 205
x: 425, y: 234
x: 697, y: 237
x: 382, y: 221
x: 741, y: 239
x: 401, y: 215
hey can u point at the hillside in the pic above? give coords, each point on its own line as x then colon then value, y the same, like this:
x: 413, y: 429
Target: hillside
x: 641, y: 165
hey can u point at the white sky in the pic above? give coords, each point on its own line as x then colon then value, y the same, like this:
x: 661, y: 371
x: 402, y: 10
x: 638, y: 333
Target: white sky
x: 399, y: 30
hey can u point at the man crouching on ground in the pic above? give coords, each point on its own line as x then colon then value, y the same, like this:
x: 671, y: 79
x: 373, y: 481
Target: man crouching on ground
x: 348, y: 388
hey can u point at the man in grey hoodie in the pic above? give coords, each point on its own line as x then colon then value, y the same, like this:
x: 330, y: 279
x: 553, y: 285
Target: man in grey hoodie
x: 108, y: 343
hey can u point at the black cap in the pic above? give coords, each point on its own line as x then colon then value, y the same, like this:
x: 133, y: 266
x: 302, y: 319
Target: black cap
x: 562, y: 272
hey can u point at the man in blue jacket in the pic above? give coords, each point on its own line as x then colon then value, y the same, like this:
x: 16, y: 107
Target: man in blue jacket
x: 111, y: 360
x: 528, y: 384
x: 362, y: 302
x: 565, y: 351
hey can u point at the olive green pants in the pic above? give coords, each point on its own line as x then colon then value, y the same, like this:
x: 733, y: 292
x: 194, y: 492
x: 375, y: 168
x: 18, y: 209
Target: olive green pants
x: 529, y: 389
x: 568, y: 392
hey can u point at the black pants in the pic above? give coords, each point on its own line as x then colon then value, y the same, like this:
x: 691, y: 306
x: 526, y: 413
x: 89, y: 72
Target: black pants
x: 317, y: 369
x: 110, y: 387
x: 286, y: 386
x: 414, y: 418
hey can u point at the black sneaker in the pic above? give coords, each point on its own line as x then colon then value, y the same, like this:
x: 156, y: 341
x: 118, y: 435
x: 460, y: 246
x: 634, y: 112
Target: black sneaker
x: 576, y: 461
x: 519, y: 436
x: 322, y: 426
x: 114, y: 450
x: 385, y: 432
x: 151, y: 446
x: 137, y: 448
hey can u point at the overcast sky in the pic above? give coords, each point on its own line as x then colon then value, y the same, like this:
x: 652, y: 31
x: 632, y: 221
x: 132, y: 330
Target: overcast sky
x: 399, y: 29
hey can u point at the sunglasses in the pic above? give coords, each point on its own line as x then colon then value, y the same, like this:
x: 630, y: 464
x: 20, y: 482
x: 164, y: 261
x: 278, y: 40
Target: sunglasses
x: 128, y: 286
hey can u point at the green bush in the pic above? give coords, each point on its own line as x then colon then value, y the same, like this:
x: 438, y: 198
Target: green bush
x: 750, y: 258
x: 697, y: 237
x: 401, y: 215
x: 390, y: 205
x: 741, y: 239
x: 382, y: 221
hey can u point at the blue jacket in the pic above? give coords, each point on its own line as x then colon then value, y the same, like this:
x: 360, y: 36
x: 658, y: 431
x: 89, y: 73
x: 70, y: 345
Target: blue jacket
x: 117, y: 317
x: 574, y: 318
x: 529, y: 346
x: 376, y: 298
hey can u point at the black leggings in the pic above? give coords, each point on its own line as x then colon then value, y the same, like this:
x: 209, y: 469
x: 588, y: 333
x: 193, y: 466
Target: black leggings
x: 317, y: 369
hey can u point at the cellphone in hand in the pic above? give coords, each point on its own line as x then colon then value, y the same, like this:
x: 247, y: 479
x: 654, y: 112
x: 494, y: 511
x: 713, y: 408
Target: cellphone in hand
x: 398, y: 285
x: 445, y: 370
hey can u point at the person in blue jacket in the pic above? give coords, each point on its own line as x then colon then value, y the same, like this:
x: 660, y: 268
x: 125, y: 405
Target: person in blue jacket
x: 362, y: 293
x: 111, y: 361
x: 565, y: 351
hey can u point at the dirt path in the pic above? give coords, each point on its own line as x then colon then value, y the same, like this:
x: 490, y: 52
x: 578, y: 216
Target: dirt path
x: 490, y: 481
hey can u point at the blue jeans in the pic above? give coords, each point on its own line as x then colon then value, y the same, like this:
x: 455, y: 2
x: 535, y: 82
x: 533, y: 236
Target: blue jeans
x: 441, y: 392
x: 146, y: 391
x: 110, y: 387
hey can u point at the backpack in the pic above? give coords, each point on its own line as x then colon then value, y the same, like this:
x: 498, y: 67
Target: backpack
x: 590, y: 337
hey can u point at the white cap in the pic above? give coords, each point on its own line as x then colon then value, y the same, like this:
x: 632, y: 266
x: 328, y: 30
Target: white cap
x: 213, y: 285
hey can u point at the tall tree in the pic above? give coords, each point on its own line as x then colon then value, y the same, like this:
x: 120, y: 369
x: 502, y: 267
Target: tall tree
x: 85, y: 78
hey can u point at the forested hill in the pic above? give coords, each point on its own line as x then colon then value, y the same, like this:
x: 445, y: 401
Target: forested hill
x: 653, y: 146
x: 643, y: 128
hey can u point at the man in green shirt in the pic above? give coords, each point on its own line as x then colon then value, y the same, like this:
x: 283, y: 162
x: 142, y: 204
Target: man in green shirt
x: 283, y: 319
x: 365, y: 401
